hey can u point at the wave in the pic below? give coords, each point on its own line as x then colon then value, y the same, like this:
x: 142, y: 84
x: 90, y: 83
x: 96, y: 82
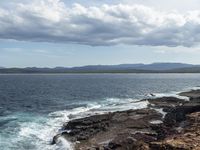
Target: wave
x: 116, y: 104
x: 173, y: 93
x: 35, y: 132
x: 42, y: 129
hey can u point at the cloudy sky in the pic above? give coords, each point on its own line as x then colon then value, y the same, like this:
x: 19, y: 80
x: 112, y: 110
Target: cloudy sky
x: 49, y: 33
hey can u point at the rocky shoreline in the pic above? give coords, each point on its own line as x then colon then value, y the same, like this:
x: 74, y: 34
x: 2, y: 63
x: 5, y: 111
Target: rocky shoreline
x: 168, y: 123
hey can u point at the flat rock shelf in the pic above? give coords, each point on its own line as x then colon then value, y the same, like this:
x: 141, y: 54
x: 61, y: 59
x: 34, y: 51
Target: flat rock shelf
x: 168, y: 123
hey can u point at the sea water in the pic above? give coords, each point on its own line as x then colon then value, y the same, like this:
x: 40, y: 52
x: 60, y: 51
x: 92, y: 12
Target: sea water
x: 33, y: 108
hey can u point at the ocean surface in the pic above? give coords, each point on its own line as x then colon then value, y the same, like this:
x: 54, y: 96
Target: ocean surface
x: 33, y: 108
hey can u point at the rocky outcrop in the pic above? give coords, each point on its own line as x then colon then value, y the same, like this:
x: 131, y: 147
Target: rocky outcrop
x: 166, y: 103
x: 144, y: 129
x: 83, y: 129
x: 108, y: 130
x: 193, y: 94
x: 188, y: 139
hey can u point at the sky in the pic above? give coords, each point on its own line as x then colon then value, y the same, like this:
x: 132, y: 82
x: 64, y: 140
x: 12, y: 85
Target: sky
x: 50, y: 33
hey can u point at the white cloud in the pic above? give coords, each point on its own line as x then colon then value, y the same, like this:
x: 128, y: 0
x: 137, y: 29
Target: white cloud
x: 177, y: 50
x: 54, y: 21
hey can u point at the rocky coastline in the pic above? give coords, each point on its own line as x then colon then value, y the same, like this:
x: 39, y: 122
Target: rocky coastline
x: 168, y: 123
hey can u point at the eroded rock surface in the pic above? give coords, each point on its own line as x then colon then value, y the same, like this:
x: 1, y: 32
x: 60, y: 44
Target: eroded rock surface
x: 188, y: 139
x: 192, y: 94
x: 144, y: 129
x: 108, y: 130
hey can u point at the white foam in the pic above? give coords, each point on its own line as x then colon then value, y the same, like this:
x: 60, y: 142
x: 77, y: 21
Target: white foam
x: 173, y: 93
x: 124, y: 104
x: 66, y: 115
x: 192, y: 88
x: 156, y: 122
x: 64, y: 144
x: 41, y: 130
x: 160, y: 110
x: 40, y: 134
x: 120, y: 100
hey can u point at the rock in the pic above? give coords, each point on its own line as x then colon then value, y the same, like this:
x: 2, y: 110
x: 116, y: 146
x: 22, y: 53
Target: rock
x: 82, y: 129
x: 126, y: 142
x: 166, y: 103
x: 193, y: 94
x: 55, y: 139
x: 179, y: 113
x: 135, y: 130
x: 189, y: 139
x: 125, y: 128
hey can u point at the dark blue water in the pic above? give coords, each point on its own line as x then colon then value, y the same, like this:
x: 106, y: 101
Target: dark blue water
x: 33, y: 107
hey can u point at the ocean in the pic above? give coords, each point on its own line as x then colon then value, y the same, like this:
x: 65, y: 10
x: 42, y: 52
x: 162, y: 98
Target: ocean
x: 33, y: 108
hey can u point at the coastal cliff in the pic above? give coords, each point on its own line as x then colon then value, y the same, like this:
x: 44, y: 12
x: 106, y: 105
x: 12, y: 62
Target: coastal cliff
x: 168, y: 123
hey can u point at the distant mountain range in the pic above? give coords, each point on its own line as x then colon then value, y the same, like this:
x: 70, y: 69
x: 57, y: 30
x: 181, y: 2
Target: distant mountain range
x: 122, y: 68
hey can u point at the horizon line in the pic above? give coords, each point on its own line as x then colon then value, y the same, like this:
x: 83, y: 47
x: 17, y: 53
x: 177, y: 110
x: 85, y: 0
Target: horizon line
x: 4, y: 67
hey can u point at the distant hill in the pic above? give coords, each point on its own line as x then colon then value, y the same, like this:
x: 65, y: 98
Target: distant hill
x: 153, y: 66
x: 164, y: 66
x: 195, y: 69
x: 122, y: 68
